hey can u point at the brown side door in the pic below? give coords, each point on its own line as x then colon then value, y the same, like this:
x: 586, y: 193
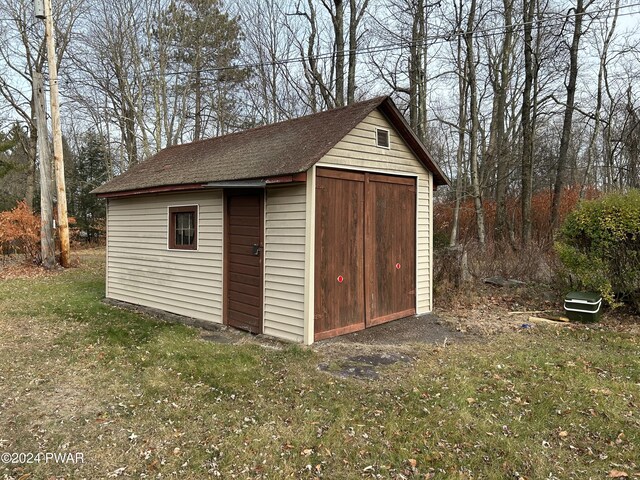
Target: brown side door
x: 339, y: 256
x: 243, y: 260
x: 390, y: 247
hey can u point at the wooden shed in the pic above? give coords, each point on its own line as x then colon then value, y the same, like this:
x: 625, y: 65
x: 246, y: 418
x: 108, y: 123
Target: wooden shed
x: 303, y: 230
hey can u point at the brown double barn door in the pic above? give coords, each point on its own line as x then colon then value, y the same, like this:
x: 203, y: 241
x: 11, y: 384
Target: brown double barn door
x: 365, y: 250
x: 243, y: 260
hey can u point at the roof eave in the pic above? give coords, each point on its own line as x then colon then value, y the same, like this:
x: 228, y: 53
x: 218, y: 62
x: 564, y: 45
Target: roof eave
x: 160, y: 189
x: 296, y: 177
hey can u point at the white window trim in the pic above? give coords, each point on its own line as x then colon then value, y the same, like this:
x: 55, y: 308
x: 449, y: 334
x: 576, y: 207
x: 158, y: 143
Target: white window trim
x: 378, y: 129
x: 169, y: 207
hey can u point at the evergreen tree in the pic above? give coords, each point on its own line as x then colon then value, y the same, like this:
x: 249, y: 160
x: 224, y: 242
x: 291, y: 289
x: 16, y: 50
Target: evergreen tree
x: 13, y: 168
x: 205, y: 43
x: 89, y: 171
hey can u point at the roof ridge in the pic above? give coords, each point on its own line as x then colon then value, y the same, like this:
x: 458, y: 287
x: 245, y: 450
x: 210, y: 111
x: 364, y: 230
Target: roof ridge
x: 375, y: 101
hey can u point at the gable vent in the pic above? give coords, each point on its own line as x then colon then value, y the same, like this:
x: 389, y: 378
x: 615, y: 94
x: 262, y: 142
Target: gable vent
x: 382, y: 137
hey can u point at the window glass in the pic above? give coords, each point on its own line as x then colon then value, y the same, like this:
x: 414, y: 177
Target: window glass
x: 183, y: 227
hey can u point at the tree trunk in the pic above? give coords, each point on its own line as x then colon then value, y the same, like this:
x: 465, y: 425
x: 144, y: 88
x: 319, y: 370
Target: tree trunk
x: 338, y: 29
x: 568, y: 115
x: 499, y: 150
x: 417, y: 76
x: 313, y: 75
x: 527, y: 124
x: 602, y: 74
x: 475, y: 125
x: 355, y: 16
x: 462, y: 121
x: 197, y: 131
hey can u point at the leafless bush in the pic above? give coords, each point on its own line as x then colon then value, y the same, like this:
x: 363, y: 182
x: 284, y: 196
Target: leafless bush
x: 468, y: 263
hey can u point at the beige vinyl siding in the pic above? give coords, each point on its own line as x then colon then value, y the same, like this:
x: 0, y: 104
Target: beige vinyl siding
x: 142, y: 270
x: 358, y: 150
x: 284, y: 262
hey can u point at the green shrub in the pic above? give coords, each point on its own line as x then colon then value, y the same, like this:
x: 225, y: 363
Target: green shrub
x: 599, y: 244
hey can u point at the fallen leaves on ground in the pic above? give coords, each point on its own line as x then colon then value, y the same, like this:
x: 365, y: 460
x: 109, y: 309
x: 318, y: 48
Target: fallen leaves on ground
x: 24, y: 270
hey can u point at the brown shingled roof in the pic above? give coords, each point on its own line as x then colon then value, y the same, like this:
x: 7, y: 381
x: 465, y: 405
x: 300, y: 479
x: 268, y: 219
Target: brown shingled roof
x: 279, y: 149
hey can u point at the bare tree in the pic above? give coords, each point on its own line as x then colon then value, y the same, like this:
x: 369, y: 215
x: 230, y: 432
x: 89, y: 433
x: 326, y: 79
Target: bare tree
x: 527, y: 121
x: 462, y: 121
x: 602, y: 74
x: 501, y: 71
x: 268, y: 41
x: 578, y: 14
x: 335, y: 8
x: 406, y: 71
x: 324, y: 73
x: 23, y: 58
x: 309, y: 51
x: 356, y: 12
x: 107, y: 66
x: 475, y: 122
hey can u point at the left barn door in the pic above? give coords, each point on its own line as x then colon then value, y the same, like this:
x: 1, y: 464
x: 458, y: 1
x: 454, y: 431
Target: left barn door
x: 243, y: 252
x: 339, y: 253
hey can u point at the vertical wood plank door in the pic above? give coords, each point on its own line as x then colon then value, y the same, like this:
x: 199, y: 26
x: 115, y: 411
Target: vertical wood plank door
x: 243, y: 252
x: 339, y: 255
x: 390, y: 247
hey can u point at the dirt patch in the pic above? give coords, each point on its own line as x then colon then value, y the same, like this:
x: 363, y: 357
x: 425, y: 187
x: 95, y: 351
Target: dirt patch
x: 481, y: 311
x: 217, y: 337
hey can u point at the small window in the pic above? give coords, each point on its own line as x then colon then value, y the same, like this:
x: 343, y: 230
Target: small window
x: 183, y: 228
x: 382, y: 137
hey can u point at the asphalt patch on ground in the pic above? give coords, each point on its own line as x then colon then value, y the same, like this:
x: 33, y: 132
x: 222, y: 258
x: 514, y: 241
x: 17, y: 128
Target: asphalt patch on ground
x: 363, y: 366
x: 381, y: 345
x: 427, y: 328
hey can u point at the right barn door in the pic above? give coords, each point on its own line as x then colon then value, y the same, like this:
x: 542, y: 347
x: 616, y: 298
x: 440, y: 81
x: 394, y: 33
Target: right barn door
x: 390, y: 248
x: 365, y: 250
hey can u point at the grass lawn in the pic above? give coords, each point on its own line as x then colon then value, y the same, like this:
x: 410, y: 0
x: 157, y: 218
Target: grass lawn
x: 143, y: 399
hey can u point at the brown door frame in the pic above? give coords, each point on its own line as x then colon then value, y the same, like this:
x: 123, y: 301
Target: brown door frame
x: 368, y: 263
x: 225, y: 250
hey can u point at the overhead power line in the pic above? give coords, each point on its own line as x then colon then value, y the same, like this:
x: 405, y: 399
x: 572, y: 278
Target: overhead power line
x: 429, y: 39
x: 548, y: 21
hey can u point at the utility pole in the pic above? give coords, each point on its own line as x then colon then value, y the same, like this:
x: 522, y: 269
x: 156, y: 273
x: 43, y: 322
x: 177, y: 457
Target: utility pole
x: 56, y: 129
x: 47, y: 246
